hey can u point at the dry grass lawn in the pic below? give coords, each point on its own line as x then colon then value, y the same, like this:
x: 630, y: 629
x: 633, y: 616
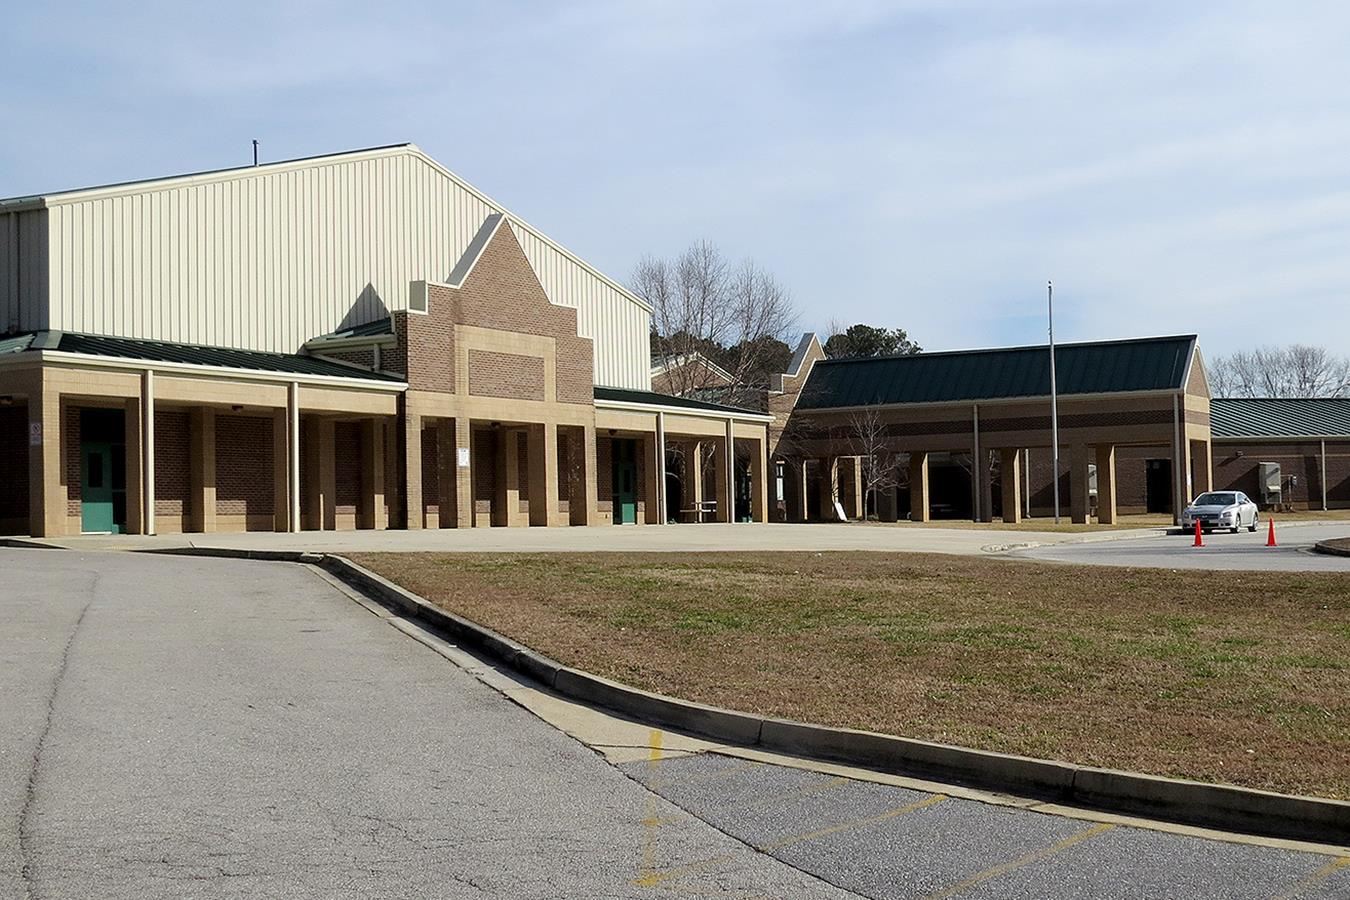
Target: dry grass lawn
x: 1240, y: 678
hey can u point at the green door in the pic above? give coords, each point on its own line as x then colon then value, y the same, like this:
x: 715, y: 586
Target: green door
x: 625, y: 481
x: 96, y: 487
x: 103, y: 470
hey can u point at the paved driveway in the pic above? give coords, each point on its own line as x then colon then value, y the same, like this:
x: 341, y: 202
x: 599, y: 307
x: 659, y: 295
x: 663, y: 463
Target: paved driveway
x: 185, y: 727
x: 1241, y: 551
x: 209, y: 728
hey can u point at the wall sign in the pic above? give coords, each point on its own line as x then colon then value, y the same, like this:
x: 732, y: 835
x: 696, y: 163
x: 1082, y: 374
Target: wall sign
x: 35, y: 434
x: 463, y: 457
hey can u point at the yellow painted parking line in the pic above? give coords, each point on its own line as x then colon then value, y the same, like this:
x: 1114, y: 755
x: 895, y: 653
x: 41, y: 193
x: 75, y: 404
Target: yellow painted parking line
x: 650, y: 820
x: 1044, y: 853
x: 851, y: 825
x: 1316, y: 878
x: 652, y: 878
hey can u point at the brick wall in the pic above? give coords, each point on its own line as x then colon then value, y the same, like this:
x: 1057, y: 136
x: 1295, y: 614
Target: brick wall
x: 346, y: 467
x: 500, y: 293
x: 14, y: 463
x: 70, y: 436
x: 173, y: 463
x: 1303, y: 460
x: 431, y: 472
x: 508, y: 375
x: 484, y: 469
x: 523, y: 472
x: 363, y: 357
x: 244, y: 476
x: 604, y: 473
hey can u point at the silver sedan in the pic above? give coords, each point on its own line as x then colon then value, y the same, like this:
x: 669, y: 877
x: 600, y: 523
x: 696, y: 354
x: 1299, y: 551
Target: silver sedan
x: 1221, y: 509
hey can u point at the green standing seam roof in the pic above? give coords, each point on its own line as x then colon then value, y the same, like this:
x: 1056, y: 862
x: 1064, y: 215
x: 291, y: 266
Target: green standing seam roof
x: 378, y: 328
x: 1316, y: 417
x: 192, y: 354
x: 651, y: 398
x: 1101, y: 367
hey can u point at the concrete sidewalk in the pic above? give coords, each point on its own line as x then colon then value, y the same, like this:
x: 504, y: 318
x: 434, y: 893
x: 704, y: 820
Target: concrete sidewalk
x: 898, y: 538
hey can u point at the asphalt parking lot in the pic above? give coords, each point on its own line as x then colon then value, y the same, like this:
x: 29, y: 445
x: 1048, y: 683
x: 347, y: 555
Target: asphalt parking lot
x: 880, y: 841
x: 179, y: 727
x: 1223, y: 551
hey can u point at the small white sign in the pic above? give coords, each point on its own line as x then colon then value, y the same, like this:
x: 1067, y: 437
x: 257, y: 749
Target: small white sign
x: 35, y: 434
x: 463, y: 457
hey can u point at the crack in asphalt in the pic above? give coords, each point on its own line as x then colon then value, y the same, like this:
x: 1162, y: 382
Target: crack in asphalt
x: 26, y: 852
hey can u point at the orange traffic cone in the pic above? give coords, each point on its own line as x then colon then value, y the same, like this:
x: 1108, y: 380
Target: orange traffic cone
x: 1199, y: 541
x: 1270, y: 538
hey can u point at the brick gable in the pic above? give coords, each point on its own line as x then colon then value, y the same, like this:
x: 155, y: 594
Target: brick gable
x: 500, y: 294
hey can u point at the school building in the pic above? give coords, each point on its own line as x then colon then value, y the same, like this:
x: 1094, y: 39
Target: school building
x: 360, y: 340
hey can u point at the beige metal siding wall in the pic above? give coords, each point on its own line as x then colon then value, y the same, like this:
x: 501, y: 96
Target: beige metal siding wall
x: 23, y: 271
x: 267, y: 260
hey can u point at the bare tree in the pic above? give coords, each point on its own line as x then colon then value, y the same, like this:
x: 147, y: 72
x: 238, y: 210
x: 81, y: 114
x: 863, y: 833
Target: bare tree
x: 868, y: 442
x: 706, y: 310
x: 1298, y: 370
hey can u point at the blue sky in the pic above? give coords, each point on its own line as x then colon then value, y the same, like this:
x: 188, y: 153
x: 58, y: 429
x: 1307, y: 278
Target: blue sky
x: 1174, y: 167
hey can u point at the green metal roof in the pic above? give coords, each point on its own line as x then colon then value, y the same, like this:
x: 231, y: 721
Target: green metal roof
x: 1320, y: 417
x: 378, y: 328
x: 163, y: 351
x: 16, y: 343
x: 651, y: 398
x: 1100, y: 367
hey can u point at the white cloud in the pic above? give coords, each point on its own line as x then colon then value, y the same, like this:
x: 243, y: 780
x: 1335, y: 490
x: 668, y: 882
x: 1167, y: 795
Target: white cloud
x: 928, y: 164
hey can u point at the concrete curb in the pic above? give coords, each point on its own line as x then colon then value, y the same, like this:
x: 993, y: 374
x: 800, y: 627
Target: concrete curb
x: 1326, y: 548
x: 1218, y: 806
x: 28, y: 544
x: 1224, y: 807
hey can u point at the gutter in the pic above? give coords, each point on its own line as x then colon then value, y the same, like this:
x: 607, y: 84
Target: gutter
x: 232, y: 373
x: 684, y: 411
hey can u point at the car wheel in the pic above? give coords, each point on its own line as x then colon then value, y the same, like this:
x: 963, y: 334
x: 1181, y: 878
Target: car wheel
x: 1256, y: 519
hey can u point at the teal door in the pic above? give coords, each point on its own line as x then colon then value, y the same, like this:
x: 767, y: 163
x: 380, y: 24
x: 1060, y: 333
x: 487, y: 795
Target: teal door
x: 96, y: 487
x: 103, y: 471
x: 625, y: 481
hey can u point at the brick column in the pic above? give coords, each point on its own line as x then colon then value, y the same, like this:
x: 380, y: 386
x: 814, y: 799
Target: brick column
x: 721, y: 483
x: 590, y: 484
x: 801, y: 489
x: 542, y: 448
x: 1079, y: 501
x: 447, y: 476
x: 46, y: 463
x: 919, y: 507
x: 1106, y: 484
x: 458, y: 440
x: 328, y: 474
x: 857, y: 503
x: 759, y: 483
x: 135, y: 468
x: 202, y: 468
x: 728, y: 493
x: 829, y: 488
x: 651, y: 479
x: 506, y: 495
x: 661, y: 478
x: 148, y: 450
x: 281, y: 493
x: 1010, y: 478
x: 693, y: 476
x: 371, y: 512
x: 414, y: 511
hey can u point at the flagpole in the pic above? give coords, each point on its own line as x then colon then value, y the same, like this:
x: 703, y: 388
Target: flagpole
x: 1054, y: 397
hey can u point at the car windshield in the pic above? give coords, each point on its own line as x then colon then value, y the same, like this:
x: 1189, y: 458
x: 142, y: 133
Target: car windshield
x: 1216, y: 500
